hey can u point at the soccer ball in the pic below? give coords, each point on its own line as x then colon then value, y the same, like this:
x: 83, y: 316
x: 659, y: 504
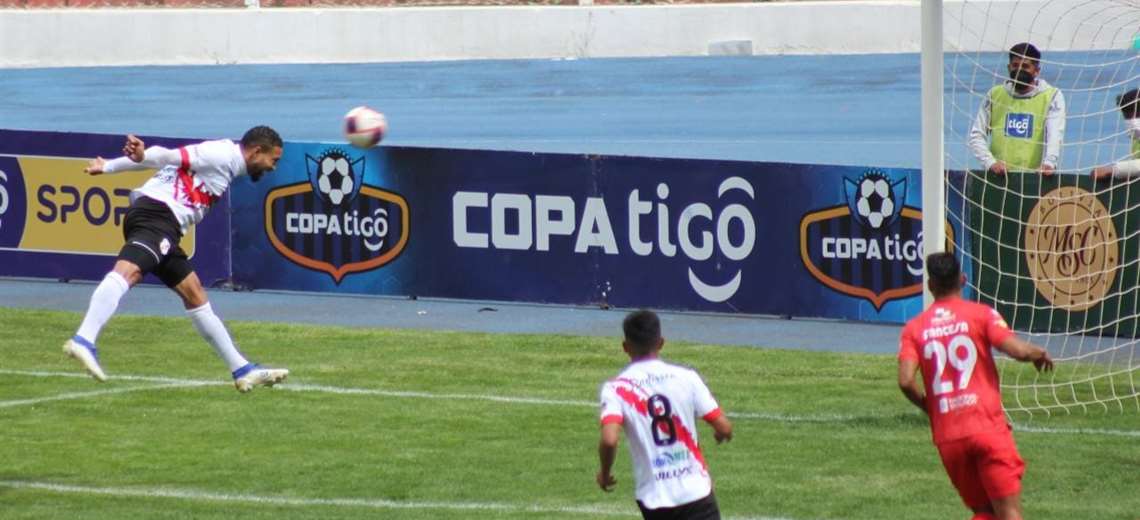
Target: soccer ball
x: 364, y: 127
x: 334, y: 179
x: 875, y: 202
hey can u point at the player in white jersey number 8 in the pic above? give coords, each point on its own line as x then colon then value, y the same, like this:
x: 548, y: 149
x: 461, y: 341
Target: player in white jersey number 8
x: 657, y: 404
x: 188, y: 181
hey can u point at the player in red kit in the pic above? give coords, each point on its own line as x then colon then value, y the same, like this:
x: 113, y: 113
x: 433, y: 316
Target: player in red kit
x: 952, y: 342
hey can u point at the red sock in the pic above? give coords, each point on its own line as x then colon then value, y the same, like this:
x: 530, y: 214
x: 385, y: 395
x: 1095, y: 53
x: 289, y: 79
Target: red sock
x: 984, y: 516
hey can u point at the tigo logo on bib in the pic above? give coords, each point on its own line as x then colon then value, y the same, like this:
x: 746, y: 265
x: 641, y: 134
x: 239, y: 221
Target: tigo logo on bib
x: 1019, y: 125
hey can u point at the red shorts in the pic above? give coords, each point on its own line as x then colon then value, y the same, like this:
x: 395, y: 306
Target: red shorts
x: 983, y: 467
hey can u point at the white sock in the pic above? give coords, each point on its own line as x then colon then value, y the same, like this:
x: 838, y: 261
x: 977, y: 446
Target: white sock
x: 104, y: 301
x: 210, y: 327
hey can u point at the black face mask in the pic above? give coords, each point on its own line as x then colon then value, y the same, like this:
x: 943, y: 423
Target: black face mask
x: 1022, y: 76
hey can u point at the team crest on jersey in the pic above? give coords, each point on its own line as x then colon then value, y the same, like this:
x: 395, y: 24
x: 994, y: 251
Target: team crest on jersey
x: 942, y: 315
x: 869, y: 245
x: 336, y: 223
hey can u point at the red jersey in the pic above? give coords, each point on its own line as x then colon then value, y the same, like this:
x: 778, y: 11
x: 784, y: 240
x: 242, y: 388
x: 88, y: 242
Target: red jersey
x: 952, y: 342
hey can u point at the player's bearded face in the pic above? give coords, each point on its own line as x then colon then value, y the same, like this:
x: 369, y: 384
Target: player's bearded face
x: 263, y: 161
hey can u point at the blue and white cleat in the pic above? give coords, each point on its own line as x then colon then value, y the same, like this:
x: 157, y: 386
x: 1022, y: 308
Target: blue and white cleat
x: 251, y: 375
x: 86, y: 353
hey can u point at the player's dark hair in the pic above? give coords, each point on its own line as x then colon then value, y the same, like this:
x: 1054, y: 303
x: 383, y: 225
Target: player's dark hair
x: 945, y: 273
x: 642, y: 331
x: 1129, y: 103
x: 261, y: 137
x: 1025, y: 50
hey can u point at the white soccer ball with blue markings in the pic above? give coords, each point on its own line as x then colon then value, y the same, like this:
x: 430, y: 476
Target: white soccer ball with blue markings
x: 335, y: 179
x: 364, y: 127
x: 875, y: 202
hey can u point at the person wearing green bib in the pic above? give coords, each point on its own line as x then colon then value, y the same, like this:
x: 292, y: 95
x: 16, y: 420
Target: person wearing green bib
x: 1021, y: 123
x: 1129, y: 103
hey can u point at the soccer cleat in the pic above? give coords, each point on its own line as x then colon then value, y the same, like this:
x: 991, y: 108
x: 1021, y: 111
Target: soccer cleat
x: 86, y: 353
x: 251, y: 375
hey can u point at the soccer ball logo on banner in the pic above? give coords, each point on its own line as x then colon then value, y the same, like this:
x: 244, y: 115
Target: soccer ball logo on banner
x: 335, y: 221
x: 868, y: 245
x: 874, y: 199
x: 334, y: 176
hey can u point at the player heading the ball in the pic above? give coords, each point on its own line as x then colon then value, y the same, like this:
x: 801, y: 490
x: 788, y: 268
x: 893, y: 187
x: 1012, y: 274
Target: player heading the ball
x: 188, y: 182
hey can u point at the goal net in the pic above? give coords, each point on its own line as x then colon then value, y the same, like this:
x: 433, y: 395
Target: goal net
x: 1058, y: 255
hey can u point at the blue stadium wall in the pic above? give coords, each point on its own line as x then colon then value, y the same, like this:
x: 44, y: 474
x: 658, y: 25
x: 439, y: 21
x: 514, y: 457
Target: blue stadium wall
x: 700, y: 235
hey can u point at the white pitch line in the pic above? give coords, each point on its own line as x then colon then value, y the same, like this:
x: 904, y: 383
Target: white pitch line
x: 93, y: 393
x: 369, y: 503
x: 321, y: 388
x: 764, y: 416
x: 428, y: 395
x: 80, y: 375
x: 1017, y: 427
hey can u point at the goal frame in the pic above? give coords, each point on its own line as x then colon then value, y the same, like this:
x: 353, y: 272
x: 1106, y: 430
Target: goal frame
x: 933, y: 159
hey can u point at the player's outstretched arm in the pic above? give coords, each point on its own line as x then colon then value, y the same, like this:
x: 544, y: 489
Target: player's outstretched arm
x: 1027, y: 352
x: 908, y: 383
x: 722, y: 429
x: 607, y: 453
x: 136, y: 156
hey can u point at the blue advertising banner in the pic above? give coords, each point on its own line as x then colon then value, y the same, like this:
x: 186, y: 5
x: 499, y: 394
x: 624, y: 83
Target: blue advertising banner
x: 58, y: 222
x: 722, y: 236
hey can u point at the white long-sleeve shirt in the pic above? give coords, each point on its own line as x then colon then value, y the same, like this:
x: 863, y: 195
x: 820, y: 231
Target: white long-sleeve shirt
x: 1129, y: 167
x: 1125, y: 169
x: 189, y: 179
x: 1054, y: 126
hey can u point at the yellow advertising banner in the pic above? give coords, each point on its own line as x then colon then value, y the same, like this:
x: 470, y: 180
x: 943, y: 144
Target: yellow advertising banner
x: 68, y: 211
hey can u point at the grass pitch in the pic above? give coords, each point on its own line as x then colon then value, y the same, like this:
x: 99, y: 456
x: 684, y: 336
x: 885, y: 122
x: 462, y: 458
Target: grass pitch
x: 433, y: 425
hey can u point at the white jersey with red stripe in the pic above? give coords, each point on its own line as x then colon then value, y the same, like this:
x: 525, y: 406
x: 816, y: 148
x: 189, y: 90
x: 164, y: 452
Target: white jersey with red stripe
x: 658, y: 403
x: 190, y: 179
